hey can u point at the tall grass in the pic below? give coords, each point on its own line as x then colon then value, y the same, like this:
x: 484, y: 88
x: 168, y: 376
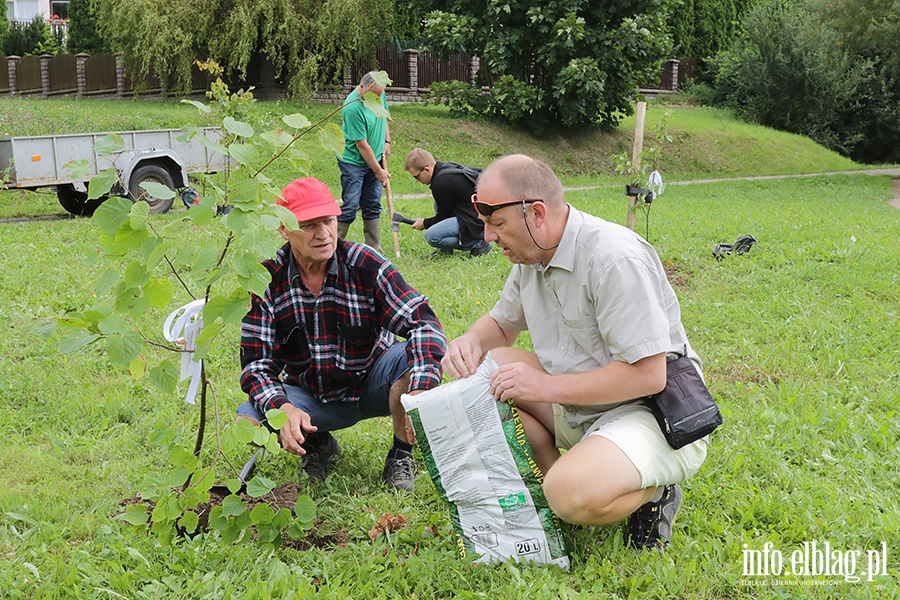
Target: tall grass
x: 798, y: 339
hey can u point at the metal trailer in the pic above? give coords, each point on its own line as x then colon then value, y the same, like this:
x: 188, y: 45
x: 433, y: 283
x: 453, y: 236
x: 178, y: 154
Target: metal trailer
x: 32, y: 162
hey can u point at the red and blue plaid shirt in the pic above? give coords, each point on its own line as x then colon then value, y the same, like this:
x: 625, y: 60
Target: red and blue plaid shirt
x: 328, y: 344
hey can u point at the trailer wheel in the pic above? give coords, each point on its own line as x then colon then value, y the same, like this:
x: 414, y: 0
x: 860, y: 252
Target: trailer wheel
x: 76, y: 202
x: 156, y: 174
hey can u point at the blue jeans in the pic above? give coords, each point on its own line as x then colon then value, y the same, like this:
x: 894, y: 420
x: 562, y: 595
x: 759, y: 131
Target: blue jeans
x: 360, y: 191
x: 374, y: 401
x: 444, y: 235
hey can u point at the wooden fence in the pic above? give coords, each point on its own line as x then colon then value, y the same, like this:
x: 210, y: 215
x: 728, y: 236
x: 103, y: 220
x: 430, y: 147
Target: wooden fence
x: 412, y: 73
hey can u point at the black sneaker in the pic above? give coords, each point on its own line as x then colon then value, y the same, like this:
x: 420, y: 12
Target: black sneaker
x: 399, y: 471
x: 650, y: 526
x: 480, y: 250
x: 442, y: 252
x: 319, y: 454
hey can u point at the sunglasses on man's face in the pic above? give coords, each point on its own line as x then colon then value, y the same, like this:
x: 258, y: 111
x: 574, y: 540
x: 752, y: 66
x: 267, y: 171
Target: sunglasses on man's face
x: 486, y: 210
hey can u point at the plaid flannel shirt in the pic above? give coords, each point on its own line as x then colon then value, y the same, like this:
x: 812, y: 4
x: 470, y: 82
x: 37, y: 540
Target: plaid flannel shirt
x: 329, y: 344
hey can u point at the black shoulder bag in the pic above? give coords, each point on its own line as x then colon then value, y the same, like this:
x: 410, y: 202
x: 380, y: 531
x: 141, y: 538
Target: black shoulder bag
x: 685, y: 410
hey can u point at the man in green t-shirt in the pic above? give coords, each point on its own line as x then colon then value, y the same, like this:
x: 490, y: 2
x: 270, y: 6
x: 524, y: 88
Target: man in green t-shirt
x: 367, y: 140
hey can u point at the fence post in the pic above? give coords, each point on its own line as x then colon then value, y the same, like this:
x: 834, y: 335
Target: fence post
x: 45, y: 75
x: 412, y: 67
x: 120, y: 75
x: 80, y: 76
x: 474, y: 65
x: 673, y: 64
x: 12, y: 67
x: 347, y: 87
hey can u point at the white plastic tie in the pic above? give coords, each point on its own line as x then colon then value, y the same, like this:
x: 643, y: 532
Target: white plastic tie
x: 182, y: 327
x: 655, y: 184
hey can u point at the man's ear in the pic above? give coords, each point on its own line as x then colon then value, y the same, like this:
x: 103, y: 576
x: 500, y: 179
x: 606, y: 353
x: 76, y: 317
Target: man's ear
x: 284, y: 232
x: 540, y: 212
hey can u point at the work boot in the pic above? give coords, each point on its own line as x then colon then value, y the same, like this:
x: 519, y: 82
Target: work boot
x: 372, y: 231
x: 650, y: 527
x: 399, y: 471
x: 343, y: 228
x: 319, y: 454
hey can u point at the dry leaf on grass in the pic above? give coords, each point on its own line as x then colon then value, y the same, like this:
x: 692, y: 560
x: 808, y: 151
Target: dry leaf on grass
x: 388, y: 523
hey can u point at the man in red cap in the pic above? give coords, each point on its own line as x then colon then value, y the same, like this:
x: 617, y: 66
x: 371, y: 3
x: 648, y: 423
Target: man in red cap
x: 322, y: 343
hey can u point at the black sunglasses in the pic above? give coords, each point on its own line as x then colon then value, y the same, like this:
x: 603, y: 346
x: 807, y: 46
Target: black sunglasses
x: 486, y: 210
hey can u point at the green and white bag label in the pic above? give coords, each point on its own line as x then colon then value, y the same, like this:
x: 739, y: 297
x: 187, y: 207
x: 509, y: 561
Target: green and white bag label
x: 483, y: 467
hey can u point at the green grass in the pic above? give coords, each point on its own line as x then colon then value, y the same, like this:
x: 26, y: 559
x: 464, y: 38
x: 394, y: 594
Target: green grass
x: 798, y: 339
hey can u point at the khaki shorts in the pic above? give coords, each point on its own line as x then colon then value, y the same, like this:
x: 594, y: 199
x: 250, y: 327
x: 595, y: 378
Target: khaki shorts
x: 633, y: 429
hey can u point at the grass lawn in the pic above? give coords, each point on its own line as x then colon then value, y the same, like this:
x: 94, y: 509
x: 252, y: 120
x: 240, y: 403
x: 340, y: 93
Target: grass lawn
x: 798, y: 338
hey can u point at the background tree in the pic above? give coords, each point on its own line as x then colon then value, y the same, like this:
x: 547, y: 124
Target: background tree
x: 4, y: 26
x: 34, y: 37
x: 308, y: 41
x: 574, y: 62
x: 84, y: 28
x: 703, y: 28
x: 800, y: 66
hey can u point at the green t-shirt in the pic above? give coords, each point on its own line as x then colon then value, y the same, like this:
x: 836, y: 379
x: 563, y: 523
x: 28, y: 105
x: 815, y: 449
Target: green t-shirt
x: 360, y: 123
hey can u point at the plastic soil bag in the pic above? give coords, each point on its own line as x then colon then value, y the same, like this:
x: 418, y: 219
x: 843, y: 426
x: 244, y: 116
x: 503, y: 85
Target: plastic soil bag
x: 482, y: 466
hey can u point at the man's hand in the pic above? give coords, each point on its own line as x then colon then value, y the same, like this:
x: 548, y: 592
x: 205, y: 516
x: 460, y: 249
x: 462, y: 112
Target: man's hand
x: 418, y: 224
x: 387, y: 150
x: 294, y: 432
x: 520, y: 381
x: 462, y: 357
x: 382, y: 175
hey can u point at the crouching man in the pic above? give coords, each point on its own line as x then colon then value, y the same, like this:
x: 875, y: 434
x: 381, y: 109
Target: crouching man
x: 322, y: 343
x: 603, y: 320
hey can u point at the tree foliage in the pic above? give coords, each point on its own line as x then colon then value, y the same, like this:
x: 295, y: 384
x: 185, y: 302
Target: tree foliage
x: 31, y: 38
x: 798, y: 67
x: 572, y: 63
x: 703, y: 28
x: 308, y: 41
x: 84, y: 28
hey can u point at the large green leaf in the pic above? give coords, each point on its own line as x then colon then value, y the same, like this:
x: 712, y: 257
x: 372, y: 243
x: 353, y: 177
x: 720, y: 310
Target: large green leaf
x: 165, y: 377
x: 109, y: 144
x: 199, y: 105
x: 236, y: 127
x: 231, y: 308
x: 136, y: 514
x: 262, y: 514
x: 201, y: 214
x: 233, y: 506
x: 276, y: 418
x: 78, y: 168
x: 245, y: 194
x: 112, y: 213
x: 287, y: 217
x: 101, y: 183
x: 213, y: 145
x: 78, y: 339
x: 382, y: 78
x: 158, y: 190
x: 159, y: 292
x: 114, y: 323
x: 136, y: 274
x: 129, y: 238
x: 123, y: 347
x: 139, y: 216
x: 257, y: 280
x: 332, y: 138
x: 296, y: 121
x: 244, y: 153
x: 259, y: 486
x: 374, y: 104
x: 305, y: 509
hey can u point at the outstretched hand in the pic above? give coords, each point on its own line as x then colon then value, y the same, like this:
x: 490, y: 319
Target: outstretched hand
x: 462, y: 357
x: 519, y: 381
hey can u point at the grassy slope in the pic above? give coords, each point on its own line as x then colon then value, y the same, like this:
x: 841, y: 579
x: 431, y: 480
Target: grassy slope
x: 798, y: 339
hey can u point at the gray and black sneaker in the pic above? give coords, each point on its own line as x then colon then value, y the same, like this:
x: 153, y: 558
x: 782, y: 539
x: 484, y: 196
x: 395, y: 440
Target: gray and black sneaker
x: 399, y: 471
x: 650, y: 526
x: 319, y: 454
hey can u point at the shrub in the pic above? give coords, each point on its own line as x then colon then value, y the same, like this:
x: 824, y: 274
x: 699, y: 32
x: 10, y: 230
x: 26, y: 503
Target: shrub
x: 25, y: 39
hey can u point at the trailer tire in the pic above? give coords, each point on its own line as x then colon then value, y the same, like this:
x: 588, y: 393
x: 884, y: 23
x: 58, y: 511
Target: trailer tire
x: 156, y: 174
x: 76, y: 202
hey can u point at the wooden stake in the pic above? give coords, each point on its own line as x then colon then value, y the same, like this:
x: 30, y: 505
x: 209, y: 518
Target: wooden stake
x: 636, y: 158
x: 390, y: 201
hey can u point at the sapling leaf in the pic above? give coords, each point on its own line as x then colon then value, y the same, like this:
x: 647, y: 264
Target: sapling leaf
x: 218, y: 521
x: 382, y: 78
x: 113, y: 323
x: 165, y: 377
x: 199, y: 105
x: 234, y: 485
x: 287, y: 217
x: 136, y: 275
x: 112, y: 213
x: 189, y: 521
x: 201, y: 214
x: 296, y: 121
x: 259, y: 486
x: 136, y: 514
x: 78, y: 168
x: 331, y: 138
x: 109, y: 144
x: 213, y: 145
x: 177, y: 476
x: 244, y: 431
x: 374, y: 104
x: 262, y: 514
x: 206, y: 481
x: 159, y: 292
x: 139, y: 216
x: 236, y: 127
x: 276, y: 418
x: 305, y: 509
x: 101, y: 183
x: 260, y: 436
x: 158, y: 190
x: 233, y: 506
x: 76, y: 340
x: 138, y: 368
x: 244, y: 153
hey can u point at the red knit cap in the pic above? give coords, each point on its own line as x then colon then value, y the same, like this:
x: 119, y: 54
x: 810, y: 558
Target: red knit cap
x: 309, y: 199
